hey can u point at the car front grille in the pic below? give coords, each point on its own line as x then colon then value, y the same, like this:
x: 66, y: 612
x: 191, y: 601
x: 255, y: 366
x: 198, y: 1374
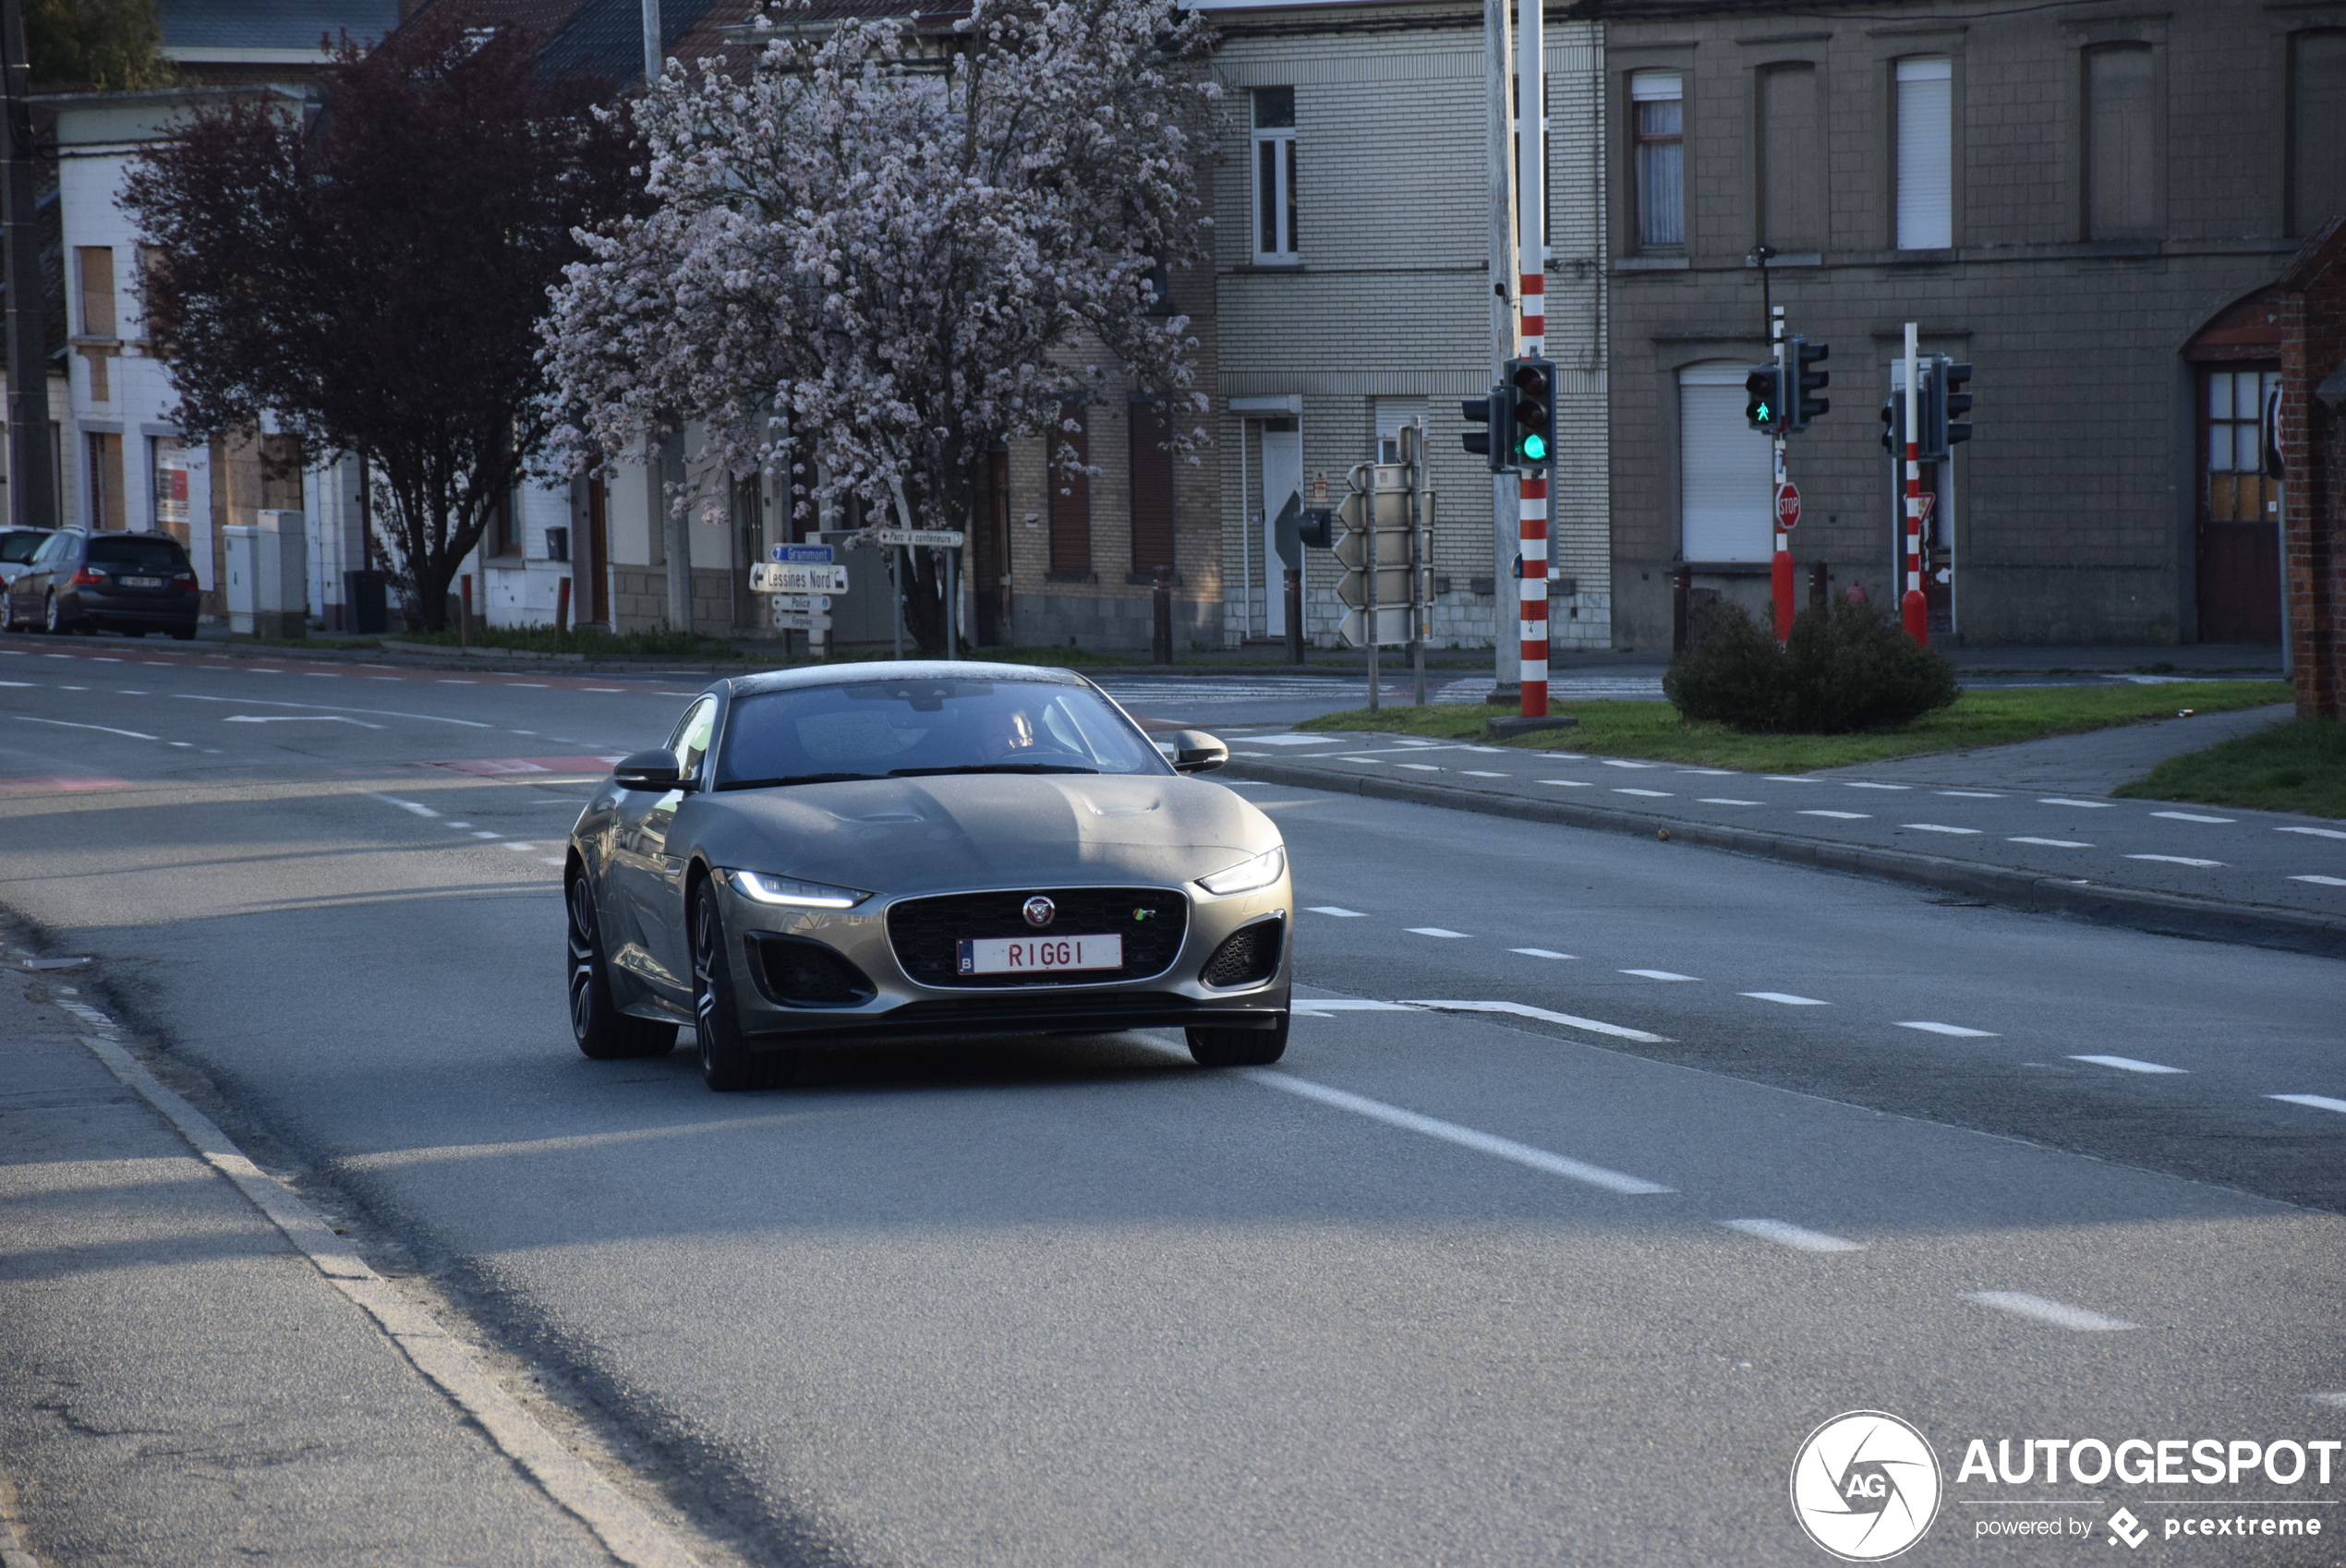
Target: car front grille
x: 927, y: 933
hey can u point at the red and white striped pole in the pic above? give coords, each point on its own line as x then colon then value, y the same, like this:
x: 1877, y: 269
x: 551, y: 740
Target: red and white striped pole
x: 1531, y: 493
x: 1911, y: 607
x: 1780, y: 562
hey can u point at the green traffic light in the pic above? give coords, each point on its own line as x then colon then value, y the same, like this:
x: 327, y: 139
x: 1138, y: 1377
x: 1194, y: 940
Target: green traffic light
x: 1535, y: 448
x: 1765, y: 413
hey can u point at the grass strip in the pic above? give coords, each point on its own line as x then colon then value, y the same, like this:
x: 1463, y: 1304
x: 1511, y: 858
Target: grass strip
x: 2299, y: 767
x: 1999, y: 717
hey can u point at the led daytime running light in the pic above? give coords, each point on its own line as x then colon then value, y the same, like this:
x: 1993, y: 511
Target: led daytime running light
x: 1247, y: 875
x: 791, y: 893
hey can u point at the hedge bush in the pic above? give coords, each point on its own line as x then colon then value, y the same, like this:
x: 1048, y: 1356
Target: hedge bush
x: 1846, y: 669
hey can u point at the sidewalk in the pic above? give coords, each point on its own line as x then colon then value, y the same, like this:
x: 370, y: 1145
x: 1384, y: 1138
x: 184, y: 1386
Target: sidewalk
x: 2029, y: 826
x: 183, y: 1384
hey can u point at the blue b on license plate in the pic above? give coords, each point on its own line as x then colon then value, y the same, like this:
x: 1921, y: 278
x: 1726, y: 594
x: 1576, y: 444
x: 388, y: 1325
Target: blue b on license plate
x: 1040, y: 955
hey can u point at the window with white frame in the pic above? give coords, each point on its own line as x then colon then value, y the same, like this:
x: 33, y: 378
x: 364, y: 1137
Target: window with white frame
x: 1725, y: 471
x: 1275, y: 242
x: 1925, y: 154
x: 1657, y: 126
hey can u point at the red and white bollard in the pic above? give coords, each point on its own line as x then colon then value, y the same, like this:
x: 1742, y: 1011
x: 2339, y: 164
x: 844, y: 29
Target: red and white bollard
x: 1912, y: 608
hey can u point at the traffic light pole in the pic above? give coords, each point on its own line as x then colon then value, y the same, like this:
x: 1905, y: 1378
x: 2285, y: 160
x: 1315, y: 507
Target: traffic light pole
x: 1532, y: 486
x: 1911, y: 607
x: 1780, y: 563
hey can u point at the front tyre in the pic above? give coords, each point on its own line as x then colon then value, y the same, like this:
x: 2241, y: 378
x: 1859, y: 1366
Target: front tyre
x: 727, y: 1064
x: 603, y: 1032
x: 1239, y: 1047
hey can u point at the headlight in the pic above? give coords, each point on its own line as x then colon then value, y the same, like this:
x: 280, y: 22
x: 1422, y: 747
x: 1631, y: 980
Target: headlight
x: 791, y: 893
x: 1247, y: 875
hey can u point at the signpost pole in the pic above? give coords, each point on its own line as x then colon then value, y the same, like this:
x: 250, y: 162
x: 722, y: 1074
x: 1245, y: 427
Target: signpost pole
x: 1369, y: 514
x: 1779, y: 564
x: 1911, y: 607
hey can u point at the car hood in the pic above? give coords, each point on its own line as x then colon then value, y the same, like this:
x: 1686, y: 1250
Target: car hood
x: 977, y: 830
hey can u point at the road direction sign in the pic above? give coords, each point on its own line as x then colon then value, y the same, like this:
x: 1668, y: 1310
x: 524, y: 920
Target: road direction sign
x: 796, y: 577
x: 801, y: 601
x: 801, y: 553
x: 1392, y: 625
x: 942, y: 539
x: 801, y: 620
x: 1787, y: 505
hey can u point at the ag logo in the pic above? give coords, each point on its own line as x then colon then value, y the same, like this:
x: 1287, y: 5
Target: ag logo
x: 1864, y: 1486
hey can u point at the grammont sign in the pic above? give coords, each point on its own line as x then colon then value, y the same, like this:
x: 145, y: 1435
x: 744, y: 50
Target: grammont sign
x: 1867, y: 1485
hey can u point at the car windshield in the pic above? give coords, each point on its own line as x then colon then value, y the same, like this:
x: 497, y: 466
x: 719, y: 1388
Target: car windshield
x: 912, y: 727
x: 160, y: 557
x: 18, y: 547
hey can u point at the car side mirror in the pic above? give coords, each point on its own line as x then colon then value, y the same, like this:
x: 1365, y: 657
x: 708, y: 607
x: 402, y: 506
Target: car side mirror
x: 1195, y: 751
x: 655, y: 769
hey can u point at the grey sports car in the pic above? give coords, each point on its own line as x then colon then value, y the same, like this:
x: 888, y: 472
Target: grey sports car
x: 821, y: 857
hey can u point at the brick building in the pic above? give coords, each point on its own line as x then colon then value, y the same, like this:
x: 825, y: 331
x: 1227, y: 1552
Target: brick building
x: 2066, y: 196
x: 1353, y: 272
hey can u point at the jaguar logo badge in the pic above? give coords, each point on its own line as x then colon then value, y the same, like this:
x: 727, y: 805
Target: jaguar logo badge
x: 1039, y: 911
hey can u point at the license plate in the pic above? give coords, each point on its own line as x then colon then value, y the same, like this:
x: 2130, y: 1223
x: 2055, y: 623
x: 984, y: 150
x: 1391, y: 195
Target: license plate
x: 143, y: 581
x: 1040, y: 955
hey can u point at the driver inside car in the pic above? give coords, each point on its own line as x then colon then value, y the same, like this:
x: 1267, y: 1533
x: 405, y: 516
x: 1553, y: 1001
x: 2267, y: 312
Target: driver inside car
x: 1009, y: 732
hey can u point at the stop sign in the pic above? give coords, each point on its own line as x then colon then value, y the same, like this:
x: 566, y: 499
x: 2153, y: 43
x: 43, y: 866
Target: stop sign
x: 1787, y: 504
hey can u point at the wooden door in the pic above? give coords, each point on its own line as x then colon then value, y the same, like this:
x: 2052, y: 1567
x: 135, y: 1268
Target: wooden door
x: 2239, y: 533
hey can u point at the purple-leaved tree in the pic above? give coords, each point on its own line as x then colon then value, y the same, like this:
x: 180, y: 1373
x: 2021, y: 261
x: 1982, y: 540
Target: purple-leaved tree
x: 875, y: 254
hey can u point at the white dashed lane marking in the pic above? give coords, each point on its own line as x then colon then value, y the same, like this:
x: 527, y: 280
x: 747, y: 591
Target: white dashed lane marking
x: 1437, y: 930
x: 1525, y: 1010
x: 2066, y: 801
x: 1786, y: 998
x: 2176, y: 860
x: 2052, y: 843
x: 2322, y: 881
x: 1338, y: 910
x: 1971, y: 794
x: 1785, y: 1234
x: 1539, y: 953
x: 2127, y: 1064
x: 1651, y: 794
x: 1939, y: 828
x: 1840, y: 815
x: 1465, y: 1137
x: 1657, y: 974
x: 1570, y: 783
x: 1954, y: 1031
x: 2314, y: 832
x: 1856, y: 785
x: 2059, y: 1314
x: 1723, y: 801
x: 2312, y: 1101
x: 2191, y: 816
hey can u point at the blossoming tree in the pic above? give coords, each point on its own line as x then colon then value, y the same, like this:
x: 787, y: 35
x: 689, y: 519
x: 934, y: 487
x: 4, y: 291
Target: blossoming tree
x: 880, y: 252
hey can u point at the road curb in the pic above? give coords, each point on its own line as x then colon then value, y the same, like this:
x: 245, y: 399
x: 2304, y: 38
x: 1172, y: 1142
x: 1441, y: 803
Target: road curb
x: 2167, y: 914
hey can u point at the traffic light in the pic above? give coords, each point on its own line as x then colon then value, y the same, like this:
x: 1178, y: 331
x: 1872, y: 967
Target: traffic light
x: 1316, y: 527
x: 1805, y: 398
x: 1493, y: 442
x: 1950, y: 404
x: 1531, y: 418
x: 1893, y: 424
x: 1763, y: 399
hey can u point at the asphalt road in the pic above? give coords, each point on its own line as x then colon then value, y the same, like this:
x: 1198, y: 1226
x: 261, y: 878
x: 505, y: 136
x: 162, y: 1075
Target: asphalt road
x: 1598, y: 1173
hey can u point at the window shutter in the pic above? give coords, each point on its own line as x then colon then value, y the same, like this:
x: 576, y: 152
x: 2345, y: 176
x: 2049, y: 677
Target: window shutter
x: 2316, y: 146
x: 1724, y: 470
x: 1926, y: 154
x: 1070, y: 495
x: 1151, y: 467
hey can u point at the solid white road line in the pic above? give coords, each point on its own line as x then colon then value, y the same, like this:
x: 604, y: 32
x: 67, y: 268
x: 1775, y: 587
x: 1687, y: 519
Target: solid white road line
x: 1840, y: 815
x: 2315, y: 1102
x: 1465, y: 1137
x: 1938, y: 827
x: 1786, y: 998
x: 2322, y: 881
x: 631, y: 1535
x: 1338, y: 910
x: 2066, y: 801
x: 1722, y: 801
x: 1954, y: 1031
x: 1785, y: 1234
x: 2052, y: 843
x: 1445, y: 934
x: 1523, y: 1010
x: 2126, y: 1064
x: 2191, y: 816
x: 1656, y: 974
x: 2058, y: 1313
x: 2314, y: 832
x: 2175, y: 859
x: 1539, y: 953
x: 102, y: 728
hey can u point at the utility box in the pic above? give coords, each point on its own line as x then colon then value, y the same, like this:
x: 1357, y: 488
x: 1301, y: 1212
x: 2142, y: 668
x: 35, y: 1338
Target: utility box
x: 243, y: 576
x: 281, y: 601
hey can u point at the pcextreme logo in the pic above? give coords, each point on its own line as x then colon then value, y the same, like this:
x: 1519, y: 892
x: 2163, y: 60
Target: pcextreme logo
x: 1864, y: 1486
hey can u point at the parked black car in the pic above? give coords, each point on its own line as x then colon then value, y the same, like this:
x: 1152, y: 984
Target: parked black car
x: 130, y: 583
